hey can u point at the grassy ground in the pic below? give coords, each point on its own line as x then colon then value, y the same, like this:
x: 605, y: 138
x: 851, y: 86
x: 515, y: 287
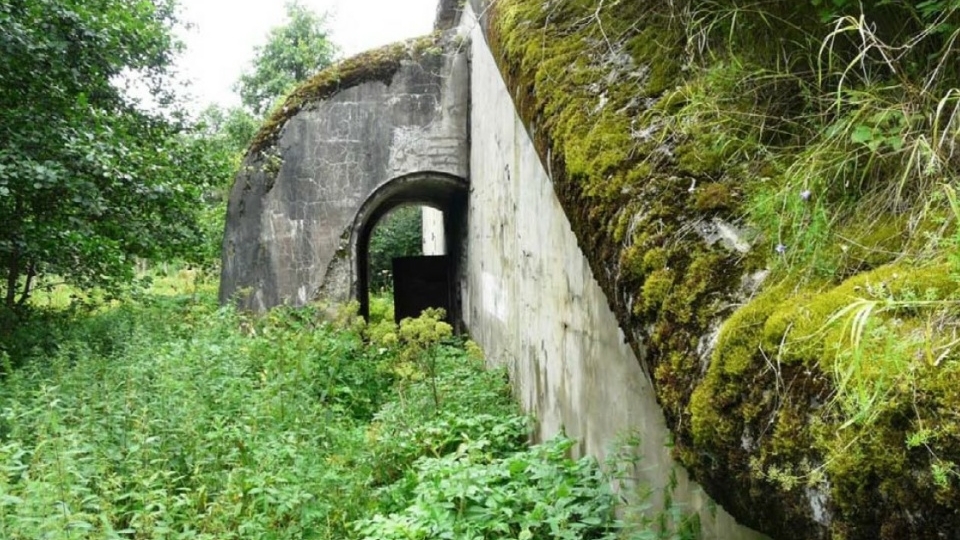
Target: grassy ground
x: 167, y: 416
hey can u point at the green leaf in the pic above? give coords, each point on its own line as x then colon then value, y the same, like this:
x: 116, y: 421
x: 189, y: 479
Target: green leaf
x: 895, y: 142
x: 862, y: 134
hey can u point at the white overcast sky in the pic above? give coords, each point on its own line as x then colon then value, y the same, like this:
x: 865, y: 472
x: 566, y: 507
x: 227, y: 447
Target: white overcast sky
x: 220, y: 46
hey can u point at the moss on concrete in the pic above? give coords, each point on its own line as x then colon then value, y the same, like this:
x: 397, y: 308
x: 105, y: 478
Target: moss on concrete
x: 824, y: 406
x: 376, y: 65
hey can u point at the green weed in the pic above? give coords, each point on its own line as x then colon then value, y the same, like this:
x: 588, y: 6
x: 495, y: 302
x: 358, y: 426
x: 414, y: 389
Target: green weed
x: 166, y: 416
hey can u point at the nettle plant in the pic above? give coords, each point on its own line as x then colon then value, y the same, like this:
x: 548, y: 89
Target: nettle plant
x: 475, y: 494
x: 171, y: 417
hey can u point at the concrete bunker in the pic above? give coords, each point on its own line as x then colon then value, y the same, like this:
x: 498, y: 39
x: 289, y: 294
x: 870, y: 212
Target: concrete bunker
x: 348, y: 146
x: 440, y: 191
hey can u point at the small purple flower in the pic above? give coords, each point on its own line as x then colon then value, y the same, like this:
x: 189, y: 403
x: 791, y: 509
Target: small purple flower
x: 805, y: 195
x: 781, y: 249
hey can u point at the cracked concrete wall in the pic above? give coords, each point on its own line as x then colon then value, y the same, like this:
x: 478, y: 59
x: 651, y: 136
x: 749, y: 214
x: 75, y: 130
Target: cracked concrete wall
x: 292, y: 208
x: 531, y: 301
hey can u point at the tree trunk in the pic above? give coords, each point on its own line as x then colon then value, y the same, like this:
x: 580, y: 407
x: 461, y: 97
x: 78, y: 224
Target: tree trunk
x: 25, y: 295
x: 13, y: 276
x: 8, y: 314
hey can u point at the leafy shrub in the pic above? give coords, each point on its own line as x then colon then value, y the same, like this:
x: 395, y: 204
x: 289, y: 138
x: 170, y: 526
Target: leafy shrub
x: 170, y: 417
x: 475, y: 494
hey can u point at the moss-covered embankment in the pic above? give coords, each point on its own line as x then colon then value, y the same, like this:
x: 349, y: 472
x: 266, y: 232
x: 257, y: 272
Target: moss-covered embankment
x: 764, y: 192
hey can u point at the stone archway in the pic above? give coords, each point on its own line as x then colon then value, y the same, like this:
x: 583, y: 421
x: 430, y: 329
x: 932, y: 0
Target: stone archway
x: 442, y: 191
x: 357, y: 135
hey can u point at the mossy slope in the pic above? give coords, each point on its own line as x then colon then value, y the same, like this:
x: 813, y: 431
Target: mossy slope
x: 824, y: 403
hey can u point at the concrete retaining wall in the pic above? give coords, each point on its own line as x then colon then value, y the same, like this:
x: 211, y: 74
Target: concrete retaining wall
x: 434, y: 236
x: 530, y: 300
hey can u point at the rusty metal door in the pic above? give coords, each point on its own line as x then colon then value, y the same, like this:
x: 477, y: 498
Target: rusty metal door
x: 419, y: 283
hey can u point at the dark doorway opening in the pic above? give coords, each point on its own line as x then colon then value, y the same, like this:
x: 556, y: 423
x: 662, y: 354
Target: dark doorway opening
x: 419, y: 283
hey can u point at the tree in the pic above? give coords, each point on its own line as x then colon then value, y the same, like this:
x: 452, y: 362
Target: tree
x: 293, y: 52
x: 399, y: 234
x: 90, y: 180
x: 225, y: 135
x: 234, y: 128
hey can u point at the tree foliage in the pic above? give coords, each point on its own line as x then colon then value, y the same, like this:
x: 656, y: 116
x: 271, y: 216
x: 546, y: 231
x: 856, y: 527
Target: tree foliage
x: 399, y: 234
x: 225, y: 133
x: 232, y: 128
x: 90, y: 179
x: 293, y: 52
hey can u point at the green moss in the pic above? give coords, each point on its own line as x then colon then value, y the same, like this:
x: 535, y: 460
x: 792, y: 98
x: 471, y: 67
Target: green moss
x: 654, y: 259
x: 631, y: 263
x: 656, y: 288
x: 737, y: 350
x: 603, y: 150
x: 656, y: 48
x: 785, y: 325
x: 713, y: 196
x: 800, y: 328
x: 740, y: 336
x: 704, y: 155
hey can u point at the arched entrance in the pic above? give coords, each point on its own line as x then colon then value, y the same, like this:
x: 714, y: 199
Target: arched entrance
x: 441, y: 191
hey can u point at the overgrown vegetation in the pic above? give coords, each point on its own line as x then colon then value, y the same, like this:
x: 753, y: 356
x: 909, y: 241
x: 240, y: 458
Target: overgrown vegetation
x: 702, y: 149
x: 169, y: 416
x: 91, y: 178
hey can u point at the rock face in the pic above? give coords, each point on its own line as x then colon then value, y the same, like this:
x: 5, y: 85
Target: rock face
x: 291, y: 229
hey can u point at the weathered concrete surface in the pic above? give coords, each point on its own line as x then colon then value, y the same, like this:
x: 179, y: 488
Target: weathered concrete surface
x: 434, y: 234
x: 292, y: 210
x: 531, y: 301
x: 301, y: 210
